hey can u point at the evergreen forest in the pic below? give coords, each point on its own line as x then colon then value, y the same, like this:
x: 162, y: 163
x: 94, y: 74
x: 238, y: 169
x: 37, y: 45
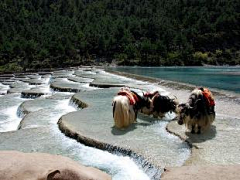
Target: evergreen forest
x: 37, y: 34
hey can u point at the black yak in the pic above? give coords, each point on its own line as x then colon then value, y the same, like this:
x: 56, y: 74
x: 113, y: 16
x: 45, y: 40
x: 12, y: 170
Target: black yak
x: 159, y: 104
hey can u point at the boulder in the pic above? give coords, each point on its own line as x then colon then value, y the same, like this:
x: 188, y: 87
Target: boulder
x: 40, y: 166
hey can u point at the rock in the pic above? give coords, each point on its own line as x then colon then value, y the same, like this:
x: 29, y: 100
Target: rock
x: 41, y: 166
x: 202, y: 172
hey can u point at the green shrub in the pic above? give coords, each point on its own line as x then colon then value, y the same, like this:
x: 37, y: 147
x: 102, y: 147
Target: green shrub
x: 11, y: 67
x: 174, y: 58
x: 200, y: 58
x: 218, y: 53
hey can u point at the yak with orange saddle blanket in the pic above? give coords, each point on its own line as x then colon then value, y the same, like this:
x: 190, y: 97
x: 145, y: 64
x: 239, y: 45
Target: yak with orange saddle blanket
x: 198, y: 112
x: 126, y: 105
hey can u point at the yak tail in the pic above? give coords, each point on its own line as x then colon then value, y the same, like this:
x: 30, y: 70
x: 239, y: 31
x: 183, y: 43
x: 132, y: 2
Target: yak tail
x: 119, y: 113
x: 114, y: 106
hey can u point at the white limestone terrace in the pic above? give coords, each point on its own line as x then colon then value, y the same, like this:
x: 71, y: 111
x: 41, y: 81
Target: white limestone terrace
x: 29, y: 86
x: 75, y: 78
x: 3, y: 89
x: 66, y: 85
x: 67, y: 81
x: 93, y: 125
x: 38, y: 132
x: 104, y: 80
x: 147, y: 139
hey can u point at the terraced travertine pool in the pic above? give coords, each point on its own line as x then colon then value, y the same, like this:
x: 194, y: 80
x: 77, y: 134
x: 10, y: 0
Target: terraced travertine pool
x: 32, y: 104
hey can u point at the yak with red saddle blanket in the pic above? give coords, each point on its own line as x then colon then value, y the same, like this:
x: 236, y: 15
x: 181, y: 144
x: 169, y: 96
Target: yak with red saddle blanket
x: 198, y: 112
x: 126, y: 105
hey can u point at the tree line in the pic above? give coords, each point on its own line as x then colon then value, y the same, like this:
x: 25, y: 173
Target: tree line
x: 60, y: 33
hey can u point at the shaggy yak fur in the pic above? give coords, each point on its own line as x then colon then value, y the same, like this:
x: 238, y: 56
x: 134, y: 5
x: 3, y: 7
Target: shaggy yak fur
x: 159, y: 105
x: 126, y: 105
x: 198, y: 113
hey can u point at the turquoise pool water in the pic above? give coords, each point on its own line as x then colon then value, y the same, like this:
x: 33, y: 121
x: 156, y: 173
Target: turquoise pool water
x: 223, y: 78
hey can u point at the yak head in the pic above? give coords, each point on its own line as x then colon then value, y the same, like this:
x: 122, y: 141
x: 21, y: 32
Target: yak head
x: 182, y: 112
x: 164, y: 104
x: 185, y: 109
x: 147, y: 105
x: 174, y: 104
x: 192, y: 108
x: 159, y: 103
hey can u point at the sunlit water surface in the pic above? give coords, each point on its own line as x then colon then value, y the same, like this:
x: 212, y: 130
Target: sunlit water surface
x: 225, y: 78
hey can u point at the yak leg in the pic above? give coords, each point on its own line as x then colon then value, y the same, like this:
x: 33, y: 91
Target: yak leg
x: 135, y: 118
x: 161, y: 115
x: 118, y: 115
x: 126, y: 119
x: 132, y: 114
x: 193, y: 129
x: 155, y: 114
x: 199, y: 130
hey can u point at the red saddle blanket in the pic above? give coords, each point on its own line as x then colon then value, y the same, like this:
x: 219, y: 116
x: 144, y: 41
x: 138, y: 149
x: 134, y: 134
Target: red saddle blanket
x: 208, y: 96
x: 131, y: 96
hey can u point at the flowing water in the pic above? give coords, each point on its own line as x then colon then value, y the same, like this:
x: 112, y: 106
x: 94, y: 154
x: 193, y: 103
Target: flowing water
x: 9, y: 104
x: 37, y: 130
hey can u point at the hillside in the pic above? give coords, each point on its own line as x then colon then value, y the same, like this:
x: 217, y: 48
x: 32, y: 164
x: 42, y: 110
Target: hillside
x: 58, y: 33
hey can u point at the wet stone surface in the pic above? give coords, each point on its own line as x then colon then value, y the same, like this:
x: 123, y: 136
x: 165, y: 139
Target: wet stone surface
x: 64, y: 85
x: 75, y: 78
x: 219, y: 145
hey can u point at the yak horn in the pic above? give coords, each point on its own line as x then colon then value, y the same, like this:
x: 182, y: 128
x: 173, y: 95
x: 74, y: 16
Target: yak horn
x: 188, y: 106
x: 194, y: 106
